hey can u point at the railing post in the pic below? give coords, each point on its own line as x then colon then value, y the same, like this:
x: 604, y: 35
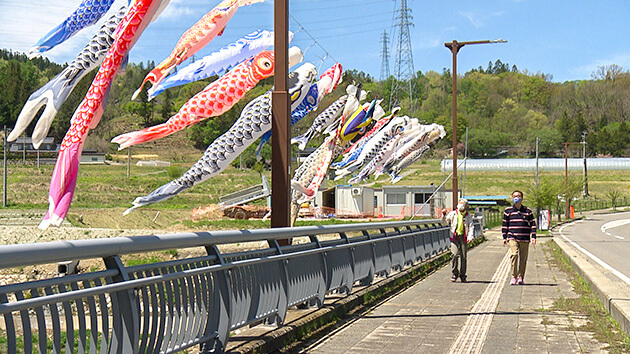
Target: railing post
x: 219, y: 313
x: 126, y: 324
x: 368, y: 281
x: 283, y: 304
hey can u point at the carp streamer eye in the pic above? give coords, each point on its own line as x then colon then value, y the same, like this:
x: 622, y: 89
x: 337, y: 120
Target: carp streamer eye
x: 265, y: 63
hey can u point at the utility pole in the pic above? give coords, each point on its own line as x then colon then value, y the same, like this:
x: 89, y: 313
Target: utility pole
x: 585, y: 190
x: 465, y: 158
x: 24, y: 147
x: 566, y: 182
x: 4, y: 191
x: 537, y: 139
x: 128, y: 162
x: 566, y: 175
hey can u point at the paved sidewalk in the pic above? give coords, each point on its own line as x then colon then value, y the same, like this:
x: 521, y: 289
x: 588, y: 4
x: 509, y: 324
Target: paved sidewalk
x: 484, y: 315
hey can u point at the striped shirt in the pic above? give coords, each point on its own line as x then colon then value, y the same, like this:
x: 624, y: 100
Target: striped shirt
x: 518, y: 224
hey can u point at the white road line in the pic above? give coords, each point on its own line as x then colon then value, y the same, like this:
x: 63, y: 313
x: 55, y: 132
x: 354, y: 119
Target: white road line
x: 617, y: 273
x: 473, y: 334
x: 620, y: 237
x: 613, y: 224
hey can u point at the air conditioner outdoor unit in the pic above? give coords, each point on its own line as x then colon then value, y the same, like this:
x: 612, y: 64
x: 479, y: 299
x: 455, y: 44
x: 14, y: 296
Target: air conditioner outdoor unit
x: 356, y: 191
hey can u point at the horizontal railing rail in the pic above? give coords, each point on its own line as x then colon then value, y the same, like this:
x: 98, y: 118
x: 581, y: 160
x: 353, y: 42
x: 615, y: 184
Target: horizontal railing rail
x: 173, y: 305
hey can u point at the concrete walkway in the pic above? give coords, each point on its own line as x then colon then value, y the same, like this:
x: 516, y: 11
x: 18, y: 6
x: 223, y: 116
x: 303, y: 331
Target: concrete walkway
x: 485, y: 315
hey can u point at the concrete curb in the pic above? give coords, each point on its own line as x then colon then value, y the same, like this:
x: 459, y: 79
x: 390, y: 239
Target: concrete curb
x: 613, y: 293
x: 300, y: 329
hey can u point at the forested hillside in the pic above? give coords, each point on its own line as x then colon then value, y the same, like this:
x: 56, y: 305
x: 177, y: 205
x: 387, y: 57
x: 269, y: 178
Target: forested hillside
x: 504, y: 109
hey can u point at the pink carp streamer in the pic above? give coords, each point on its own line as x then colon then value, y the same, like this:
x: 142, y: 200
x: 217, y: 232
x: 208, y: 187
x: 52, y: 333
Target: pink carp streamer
x: 195, y: 38
x: 216, y: 99
x: 87, y: 116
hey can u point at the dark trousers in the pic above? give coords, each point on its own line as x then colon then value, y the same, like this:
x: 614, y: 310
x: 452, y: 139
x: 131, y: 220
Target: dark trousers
x: 459, y: 248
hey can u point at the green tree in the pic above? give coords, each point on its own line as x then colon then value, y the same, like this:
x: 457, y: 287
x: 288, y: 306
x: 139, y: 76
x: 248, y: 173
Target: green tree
x: 544, y: 195
x: 536, y: 120
x: 549, y: 142
x: 482, y: 144
x: 17, y: 82
x: 613, y: 195
x: 167, y: 105
x: 536, y: 91
x: 508, y: 118
x: 569, y: 129
x: 572, y: 190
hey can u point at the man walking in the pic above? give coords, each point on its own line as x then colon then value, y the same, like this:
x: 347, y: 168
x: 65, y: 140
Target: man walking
x: 519, y: 228
x: 461, y: 233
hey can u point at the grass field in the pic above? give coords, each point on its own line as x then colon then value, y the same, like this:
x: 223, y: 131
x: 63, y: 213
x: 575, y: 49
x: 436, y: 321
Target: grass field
x: 104, y: 191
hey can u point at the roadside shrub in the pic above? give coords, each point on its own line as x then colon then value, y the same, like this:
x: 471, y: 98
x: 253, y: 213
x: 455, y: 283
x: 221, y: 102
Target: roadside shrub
x: 174, y: 172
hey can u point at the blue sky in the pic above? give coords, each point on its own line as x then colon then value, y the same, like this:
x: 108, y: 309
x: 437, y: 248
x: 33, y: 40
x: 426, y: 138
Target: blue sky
x: 566, y: 39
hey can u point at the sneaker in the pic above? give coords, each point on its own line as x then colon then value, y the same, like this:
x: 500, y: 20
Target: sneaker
x: 463, y: 279
x: 454, y: 278
x: 513, y: 281
x: 520, y: 281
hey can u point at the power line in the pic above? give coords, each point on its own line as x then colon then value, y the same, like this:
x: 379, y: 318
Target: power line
x: 346, y: 34
x: 346, y: 20
x: 363, y: 3
x: 313, y: 38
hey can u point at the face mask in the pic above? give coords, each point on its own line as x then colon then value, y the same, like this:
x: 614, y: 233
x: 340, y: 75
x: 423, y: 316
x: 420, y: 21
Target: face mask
x: 517, y: 200
x: 461, y: 207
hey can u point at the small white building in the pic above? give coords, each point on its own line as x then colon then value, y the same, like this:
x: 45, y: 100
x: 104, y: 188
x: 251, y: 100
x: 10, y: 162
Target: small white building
x: 388, y: 201
x: 92, y: 157
x: 354, y: 201
x: 404, y: 201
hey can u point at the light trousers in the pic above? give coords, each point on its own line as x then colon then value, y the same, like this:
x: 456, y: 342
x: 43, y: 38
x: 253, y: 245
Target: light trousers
x: 518, y: 255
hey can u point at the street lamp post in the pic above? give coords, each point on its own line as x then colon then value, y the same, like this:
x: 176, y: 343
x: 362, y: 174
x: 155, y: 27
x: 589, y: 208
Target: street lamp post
x: 455, y: 47
x: 280, y: 115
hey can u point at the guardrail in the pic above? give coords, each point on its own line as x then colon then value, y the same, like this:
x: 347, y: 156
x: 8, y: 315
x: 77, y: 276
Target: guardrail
x: 170, y: 306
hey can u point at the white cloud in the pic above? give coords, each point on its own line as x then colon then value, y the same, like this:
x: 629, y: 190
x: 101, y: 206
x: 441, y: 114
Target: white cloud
x: 176, y: 9
x: 23, y: 23
x: 429, y: 42
x: 479, y: 20
x: 472, y: 18
x: 622, y: 60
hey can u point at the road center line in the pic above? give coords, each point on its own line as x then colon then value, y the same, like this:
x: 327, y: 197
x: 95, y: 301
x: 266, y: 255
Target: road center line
x: 617, y: 273
x: 474, y: 332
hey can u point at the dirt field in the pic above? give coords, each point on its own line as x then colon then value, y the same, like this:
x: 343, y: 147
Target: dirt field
x: 20, y: 227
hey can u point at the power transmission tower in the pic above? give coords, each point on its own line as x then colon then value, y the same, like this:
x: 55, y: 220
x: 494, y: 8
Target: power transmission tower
x: 385, y: 56
x: 403, y: 65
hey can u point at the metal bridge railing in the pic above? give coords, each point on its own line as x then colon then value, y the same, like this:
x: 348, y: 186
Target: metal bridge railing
x: 170, y: 306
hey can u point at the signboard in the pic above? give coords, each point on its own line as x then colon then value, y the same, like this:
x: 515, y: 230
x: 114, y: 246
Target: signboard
x: 545, y: 217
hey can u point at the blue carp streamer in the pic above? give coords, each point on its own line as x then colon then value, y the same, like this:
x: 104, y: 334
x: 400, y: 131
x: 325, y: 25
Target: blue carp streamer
x: 218, y: 62
x: 87, y: 14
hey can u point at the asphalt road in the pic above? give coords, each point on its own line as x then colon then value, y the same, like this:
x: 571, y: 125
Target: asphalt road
x: 606, y: 240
